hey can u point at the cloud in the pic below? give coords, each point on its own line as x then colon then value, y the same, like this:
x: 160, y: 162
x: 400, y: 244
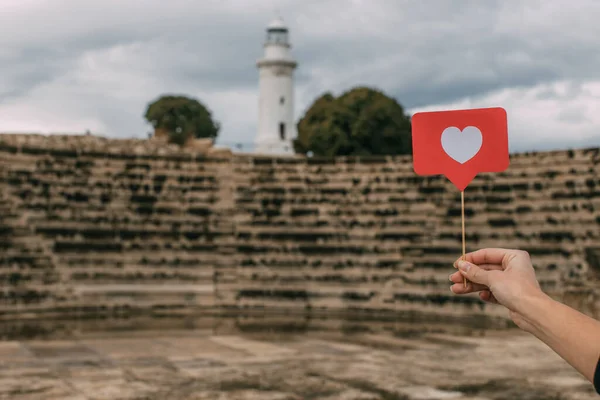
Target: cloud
x: 545, y: 117
x: 72, y: 65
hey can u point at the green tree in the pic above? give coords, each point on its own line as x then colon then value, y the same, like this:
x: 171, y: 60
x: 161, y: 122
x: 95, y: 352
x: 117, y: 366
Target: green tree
x: 181, y: 117
x: 362, y: 121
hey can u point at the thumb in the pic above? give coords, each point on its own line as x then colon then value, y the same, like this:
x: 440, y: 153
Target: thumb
x: 473, y: 273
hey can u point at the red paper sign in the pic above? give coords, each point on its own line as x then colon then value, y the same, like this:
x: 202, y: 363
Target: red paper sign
x: 460, y: 144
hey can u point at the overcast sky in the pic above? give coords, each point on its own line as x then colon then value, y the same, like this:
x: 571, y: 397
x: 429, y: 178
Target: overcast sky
x: 72, y: 65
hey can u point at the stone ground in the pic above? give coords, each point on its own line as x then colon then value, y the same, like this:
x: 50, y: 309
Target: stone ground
x: 274, y: 365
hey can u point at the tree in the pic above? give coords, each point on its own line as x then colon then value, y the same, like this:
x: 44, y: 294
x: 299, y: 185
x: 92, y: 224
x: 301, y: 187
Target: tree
x: 362, y: 121
x: 181, y: 117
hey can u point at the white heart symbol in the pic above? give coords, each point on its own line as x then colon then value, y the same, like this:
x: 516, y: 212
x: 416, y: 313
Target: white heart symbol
x: 462, y: 145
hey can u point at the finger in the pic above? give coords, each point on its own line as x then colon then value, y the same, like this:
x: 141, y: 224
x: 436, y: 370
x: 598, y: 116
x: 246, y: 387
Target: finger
x: 475, y: 274
x: 459, y: 288
x: 489, y: 256
x: 457, y: 277
x: 488, y: 297
x: 487, y: 267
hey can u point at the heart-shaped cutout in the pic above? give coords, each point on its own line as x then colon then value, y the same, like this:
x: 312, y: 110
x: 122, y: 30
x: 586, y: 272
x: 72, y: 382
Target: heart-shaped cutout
x: 463, y: 145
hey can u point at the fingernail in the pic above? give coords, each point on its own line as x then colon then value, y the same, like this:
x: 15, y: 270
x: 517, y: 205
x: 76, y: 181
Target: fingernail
x: 450, y: 278
x: 464, y: 266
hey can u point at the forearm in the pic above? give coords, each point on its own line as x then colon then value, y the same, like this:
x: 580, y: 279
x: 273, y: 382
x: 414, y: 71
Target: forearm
x: 571, y: 334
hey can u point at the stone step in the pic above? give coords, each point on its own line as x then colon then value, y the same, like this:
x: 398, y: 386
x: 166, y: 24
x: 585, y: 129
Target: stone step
x: 146, y: 295
x: 346, y: 234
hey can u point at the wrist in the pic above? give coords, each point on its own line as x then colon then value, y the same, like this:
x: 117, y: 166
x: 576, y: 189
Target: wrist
x: 536, y: 308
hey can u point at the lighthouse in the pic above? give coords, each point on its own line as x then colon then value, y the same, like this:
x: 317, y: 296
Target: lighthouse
x: 276, y: 127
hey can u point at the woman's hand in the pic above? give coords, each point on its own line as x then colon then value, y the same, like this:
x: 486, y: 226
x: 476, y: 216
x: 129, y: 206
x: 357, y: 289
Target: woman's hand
x: 507, y: 277
x: 500, y: 276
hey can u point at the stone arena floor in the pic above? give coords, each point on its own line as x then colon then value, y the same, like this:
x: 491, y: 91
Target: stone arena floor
x: 202, y: 363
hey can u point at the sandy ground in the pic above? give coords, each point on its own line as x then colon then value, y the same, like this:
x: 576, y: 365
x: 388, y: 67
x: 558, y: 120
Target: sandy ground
x: 276, y: 365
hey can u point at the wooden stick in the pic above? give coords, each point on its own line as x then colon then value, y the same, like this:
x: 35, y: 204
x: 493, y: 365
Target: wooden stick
x: 464, y: 242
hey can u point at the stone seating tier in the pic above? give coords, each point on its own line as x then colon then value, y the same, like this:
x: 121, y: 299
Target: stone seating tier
x: 105, y: 225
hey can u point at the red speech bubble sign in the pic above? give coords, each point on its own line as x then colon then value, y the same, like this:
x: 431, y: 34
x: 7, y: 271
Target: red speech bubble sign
x: 460, y: 144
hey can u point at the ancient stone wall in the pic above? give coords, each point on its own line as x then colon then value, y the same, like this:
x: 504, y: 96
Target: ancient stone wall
x: 91, y: 226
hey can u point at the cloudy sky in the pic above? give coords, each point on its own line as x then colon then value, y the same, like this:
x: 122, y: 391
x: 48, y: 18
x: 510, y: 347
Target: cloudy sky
x: 72, y: 65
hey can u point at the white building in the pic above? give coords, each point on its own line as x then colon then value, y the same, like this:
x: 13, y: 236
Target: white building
x: 276, y: 125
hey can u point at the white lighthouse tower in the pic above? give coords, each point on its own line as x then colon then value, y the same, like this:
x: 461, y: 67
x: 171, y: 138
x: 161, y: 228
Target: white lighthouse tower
x: 276, y: 127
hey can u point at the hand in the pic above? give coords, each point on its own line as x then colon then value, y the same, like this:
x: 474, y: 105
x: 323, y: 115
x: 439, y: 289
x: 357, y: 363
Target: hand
x: 500, y: 276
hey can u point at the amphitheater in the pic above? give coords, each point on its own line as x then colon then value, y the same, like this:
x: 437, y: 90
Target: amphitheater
x: 136, y: 270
